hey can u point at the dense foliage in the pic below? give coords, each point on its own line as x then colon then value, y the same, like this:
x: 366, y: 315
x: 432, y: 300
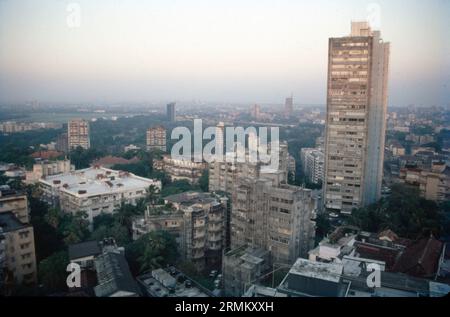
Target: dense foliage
x: 404, y: 212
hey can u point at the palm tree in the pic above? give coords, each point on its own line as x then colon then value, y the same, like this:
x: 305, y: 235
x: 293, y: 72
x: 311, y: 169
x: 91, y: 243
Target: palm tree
x: 153, y: 194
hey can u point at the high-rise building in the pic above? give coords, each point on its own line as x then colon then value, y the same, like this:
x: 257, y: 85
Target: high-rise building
x: 78, y: 134
x: 356, y: 118
x: 223, y: 175
x: 220, y: 137
x: 255, y: 111
x: 274, y: 217
x: 156, y: 139
x: 289, y: 106
x: 62, y: 144
x: 171, y: 116
x: 312, y: 164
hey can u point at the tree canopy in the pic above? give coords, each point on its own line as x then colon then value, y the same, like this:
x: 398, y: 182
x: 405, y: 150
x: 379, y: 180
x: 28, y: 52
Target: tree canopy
x: 404, y: 212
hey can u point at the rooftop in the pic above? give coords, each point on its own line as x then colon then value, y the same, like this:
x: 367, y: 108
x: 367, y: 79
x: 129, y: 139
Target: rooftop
x: 114, y: 276
x: 163, y: 283
x: 191, y: 198
x: 98, y: 180
x: 324, y: 271
x: 9, y: 222
x: 84, y: 249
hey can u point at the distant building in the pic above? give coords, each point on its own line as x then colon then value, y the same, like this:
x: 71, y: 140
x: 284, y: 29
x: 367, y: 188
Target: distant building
x: 223, y: 175
x: 356, y: 119
x: 180, y: 169
x: 109, y: 161
x: 94, y: 190
x: 312, y: 161
x: 289, y: 106
x: 255, y: 112
x: 62, y: 143
x: 156, y: 139
x: 131, y: 147
x: 78, y: 134
x: 291, y: 165
x: 433, y: 183
x: 46, y: 168
x: 220, y: 139
x: 396, y: 148
x: 171, y: 115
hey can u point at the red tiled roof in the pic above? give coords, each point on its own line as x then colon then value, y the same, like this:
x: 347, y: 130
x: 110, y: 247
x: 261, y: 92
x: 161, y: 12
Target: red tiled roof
x: 112, y: 160
x: 421, y: 258
x: 378, y: 252
x: 46, y: 154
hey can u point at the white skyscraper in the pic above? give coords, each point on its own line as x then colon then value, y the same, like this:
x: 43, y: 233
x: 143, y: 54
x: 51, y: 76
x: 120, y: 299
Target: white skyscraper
x: 356, y: 118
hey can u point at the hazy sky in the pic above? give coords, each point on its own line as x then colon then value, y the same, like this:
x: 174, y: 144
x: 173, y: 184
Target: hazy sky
x: 213, y: 50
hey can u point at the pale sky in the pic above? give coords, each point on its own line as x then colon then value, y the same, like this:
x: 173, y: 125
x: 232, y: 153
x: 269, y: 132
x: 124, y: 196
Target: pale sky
x: 242, y: 51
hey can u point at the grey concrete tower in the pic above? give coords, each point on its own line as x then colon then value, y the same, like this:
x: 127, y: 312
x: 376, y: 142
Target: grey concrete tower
x: 356, y: 119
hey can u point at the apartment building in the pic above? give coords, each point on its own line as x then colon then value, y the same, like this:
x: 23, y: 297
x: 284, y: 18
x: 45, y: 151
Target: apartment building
x: 19, y: 258
x: 223, y: 175
x: 16, y: 202
x: 180, y: 169
x: 312, y: 160
x: 433, y: 183
x: 273, y: 216
x: 356, y: 119
x: 156, y: 139
x: 78, y: 134
x: 197, y: 221
x: 243, y: 266
x: 94, y: 190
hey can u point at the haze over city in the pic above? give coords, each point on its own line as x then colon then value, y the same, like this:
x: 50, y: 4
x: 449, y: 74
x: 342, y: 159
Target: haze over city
x: 233, y: 51
x: 232, y: 156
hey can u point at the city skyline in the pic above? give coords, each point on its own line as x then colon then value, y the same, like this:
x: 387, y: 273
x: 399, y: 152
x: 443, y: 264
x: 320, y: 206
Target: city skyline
x: 177, y: 51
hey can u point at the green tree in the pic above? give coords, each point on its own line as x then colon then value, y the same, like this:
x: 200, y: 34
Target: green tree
x: 52, y: 272
x: 153, y: 195
x: 404, y: 212
x: 153, y: 250
x: 203, y: 182
x: 74, y: 228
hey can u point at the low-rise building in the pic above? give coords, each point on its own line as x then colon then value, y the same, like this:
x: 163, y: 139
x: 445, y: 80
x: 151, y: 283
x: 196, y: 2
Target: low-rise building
x: 242, y: 267
x: 109, y: 161
x: 94, y: 190
x: 114, y: 276
x: 350, y: 279
x: 47, y: 168
x: 433, y: 183
x: 170, y: 283
x: 180, y: 169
